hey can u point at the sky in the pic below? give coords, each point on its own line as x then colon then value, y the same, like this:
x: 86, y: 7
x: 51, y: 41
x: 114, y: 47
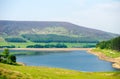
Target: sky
x: 98, y: 14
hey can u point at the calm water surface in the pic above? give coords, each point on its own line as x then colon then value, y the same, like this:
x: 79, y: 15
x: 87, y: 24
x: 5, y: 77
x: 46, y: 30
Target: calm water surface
x: 75, y: 60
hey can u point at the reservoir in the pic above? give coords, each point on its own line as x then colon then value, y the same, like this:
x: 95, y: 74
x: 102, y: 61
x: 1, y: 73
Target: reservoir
x: 74, y: 60
x: 79, y: 60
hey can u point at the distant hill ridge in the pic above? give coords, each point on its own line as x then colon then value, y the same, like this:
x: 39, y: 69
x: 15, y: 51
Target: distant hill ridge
x: 17, y: 28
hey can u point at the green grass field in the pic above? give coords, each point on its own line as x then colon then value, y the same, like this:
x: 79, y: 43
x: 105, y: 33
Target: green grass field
x: 23, y: 45
x: 109, y: 53
x: 32, y: 72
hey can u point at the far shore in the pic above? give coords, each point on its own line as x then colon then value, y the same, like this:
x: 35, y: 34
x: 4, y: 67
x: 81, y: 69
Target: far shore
x: 48, y: 49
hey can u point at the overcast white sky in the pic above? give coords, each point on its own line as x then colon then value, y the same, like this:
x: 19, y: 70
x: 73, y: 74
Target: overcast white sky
x: 98, y: 14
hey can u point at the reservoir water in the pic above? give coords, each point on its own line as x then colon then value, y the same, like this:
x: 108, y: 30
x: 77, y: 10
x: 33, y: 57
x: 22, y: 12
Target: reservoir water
x: 74, y: 60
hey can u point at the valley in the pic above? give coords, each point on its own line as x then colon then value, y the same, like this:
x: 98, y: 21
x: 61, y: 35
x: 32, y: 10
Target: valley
x: 60, y: 46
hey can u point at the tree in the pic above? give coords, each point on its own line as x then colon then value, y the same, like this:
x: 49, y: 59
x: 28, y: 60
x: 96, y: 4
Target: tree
x: 6, y: 52
x: 101, y: 45
x: 115, y: 44
x: 11, y: 59
x: 5, y: 57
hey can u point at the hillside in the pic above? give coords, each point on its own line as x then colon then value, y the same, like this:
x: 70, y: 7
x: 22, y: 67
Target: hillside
x: 32, y: 72
x: 17, y: 28
x: 15, y: 34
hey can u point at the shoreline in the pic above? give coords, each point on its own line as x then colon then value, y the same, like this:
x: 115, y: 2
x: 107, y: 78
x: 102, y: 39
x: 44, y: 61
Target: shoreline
x: 21, y: 63
x: 48, y: 49
x: 115, y: 61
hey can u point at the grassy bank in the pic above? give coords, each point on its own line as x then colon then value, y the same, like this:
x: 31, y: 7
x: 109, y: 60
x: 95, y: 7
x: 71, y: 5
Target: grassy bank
x: 108, y: 55
x: 107, y: 52
x: 32, y: 72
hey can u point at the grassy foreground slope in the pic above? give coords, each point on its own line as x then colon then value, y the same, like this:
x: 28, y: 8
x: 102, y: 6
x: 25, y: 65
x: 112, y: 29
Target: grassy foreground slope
x: 32, y: 72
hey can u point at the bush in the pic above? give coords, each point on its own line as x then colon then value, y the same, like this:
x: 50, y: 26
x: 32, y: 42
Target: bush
x: 11, y: 59
x: 7, y: 58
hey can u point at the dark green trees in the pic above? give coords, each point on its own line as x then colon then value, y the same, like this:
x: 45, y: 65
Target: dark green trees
x: 47, y: 38
x: 59, y: 45
x: 15, y: 39
x: 104, y: 44
x: 5, y: 57
x: 113, y: 44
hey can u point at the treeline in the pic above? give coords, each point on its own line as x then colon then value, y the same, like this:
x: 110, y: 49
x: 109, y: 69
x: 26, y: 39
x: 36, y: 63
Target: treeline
x: 47, y: 46
x: 47, y: 38
x: 113, y: 44
x: 15, y: 39
x: 12, y: 46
